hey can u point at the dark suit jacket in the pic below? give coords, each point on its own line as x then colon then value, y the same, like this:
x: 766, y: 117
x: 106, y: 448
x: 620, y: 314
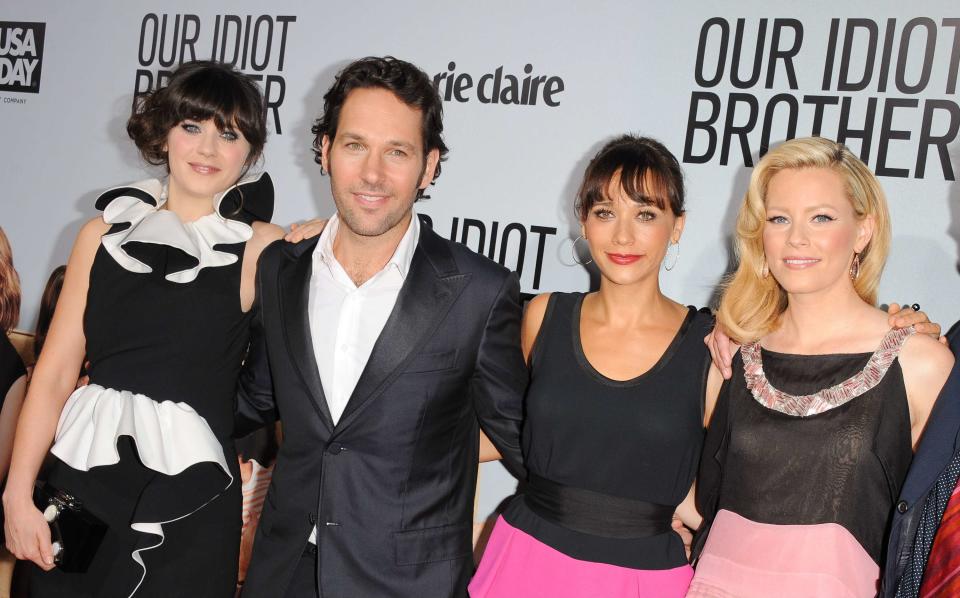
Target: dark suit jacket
x: 941, y: 439
x: 391, y: 486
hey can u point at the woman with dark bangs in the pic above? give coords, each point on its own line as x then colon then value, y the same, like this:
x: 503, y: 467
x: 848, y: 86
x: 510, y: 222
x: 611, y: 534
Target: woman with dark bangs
x: 157, y: 295
x: 615, y: 407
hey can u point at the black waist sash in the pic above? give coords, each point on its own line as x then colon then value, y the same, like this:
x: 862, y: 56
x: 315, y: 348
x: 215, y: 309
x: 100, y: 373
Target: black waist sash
x: 595, y: 513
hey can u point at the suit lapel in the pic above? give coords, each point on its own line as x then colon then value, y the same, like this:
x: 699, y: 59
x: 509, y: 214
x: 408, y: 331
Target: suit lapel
x: 294, y: 293
x: 432, y: 285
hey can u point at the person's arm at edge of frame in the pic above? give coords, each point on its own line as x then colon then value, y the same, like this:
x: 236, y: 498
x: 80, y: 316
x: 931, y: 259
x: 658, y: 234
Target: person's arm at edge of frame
x: 54, y: 380
x: 499, y: 379
x: 529, y: 329
x: 255, y: 405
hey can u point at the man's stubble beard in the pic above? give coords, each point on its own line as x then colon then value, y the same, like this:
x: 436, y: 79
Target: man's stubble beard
x: 348, y: 217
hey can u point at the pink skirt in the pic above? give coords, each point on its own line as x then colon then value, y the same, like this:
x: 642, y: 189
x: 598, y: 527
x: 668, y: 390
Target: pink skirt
x: 515, y: 565
x: 746, y: 559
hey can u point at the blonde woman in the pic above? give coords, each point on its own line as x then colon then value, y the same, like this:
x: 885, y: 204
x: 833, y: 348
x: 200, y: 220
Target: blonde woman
x: 812, y: 436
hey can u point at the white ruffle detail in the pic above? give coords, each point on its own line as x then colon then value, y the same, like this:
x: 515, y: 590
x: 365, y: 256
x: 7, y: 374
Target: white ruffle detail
x: 169, y: 438
x: 150, y: 224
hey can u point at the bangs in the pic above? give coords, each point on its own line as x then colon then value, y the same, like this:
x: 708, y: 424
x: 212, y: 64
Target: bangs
x: 222, y: 98
x: 639, y: 179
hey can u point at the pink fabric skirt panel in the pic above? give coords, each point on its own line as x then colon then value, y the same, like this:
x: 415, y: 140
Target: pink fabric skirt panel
x: 515, y: 565
x: 745, y: 559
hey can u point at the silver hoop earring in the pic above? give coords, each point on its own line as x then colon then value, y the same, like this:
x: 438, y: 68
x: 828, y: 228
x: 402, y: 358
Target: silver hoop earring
x: 676, y: 256
x: 574, y: 251
x: 855, y: 267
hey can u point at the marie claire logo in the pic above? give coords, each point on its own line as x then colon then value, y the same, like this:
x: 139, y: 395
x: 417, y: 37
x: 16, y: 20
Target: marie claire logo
x: 499, y: 87
x: 21, y: 56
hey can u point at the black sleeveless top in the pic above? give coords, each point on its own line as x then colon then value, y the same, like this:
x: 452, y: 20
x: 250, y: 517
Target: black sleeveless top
x: 844, y: 465
x: 637, y: 439
x: 11, y: 367
x: 169, y: 341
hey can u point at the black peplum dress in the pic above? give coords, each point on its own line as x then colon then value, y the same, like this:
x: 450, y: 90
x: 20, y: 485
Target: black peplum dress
x: 146, y: 445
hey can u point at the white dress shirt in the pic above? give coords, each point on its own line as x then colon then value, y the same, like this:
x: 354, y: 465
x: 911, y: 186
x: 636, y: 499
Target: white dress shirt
x: 346, y: 320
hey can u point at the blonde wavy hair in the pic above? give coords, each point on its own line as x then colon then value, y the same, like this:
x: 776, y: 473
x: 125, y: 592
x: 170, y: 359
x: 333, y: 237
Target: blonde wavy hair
x: 752, y: 304
x: 9, y: 286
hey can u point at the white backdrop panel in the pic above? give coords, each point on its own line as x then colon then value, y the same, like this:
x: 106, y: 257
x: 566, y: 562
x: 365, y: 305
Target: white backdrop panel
x: 602, y: 69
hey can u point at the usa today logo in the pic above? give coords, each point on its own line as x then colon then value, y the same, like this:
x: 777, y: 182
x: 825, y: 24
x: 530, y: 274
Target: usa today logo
x: 21, y: 56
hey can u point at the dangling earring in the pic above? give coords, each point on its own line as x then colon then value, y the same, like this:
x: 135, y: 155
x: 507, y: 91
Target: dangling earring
x: 574, y: 251
x: 676, y: 256
x: 855, y: 267
x: 765, y: 271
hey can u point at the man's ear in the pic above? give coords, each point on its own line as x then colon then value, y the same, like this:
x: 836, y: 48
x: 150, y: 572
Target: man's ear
x: 430, y: 168
x: 325, y: 153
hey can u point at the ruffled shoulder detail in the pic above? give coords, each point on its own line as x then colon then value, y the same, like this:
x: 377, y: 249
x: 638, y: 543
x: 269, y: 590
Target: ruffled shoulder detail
x: 248, y: 201
x: 137, y: 206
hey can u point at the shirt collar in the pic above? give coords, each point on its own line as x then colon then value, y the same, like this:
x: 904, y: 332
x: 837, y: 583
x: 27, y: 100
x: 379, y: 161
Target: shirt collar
x: 401, y: 258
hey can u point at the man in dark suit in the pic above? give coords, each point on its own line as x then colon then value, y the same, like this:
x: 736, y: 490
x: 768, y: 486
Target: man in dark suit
x: 384, y: 349
x: 929, y: 484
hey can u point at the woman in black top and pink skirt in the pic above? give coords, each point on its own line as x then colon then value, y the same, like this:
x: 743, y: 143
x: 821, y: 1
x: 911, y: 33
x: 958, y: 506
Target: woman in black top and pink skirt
x: 615, y: 407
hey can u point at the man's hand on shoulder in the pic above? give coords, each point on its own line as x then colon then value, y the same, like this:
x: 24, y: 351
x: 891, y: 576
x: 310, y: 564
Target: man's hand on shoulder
x: 906, y: 316
x: 305, y: 230
x: 722, y: 349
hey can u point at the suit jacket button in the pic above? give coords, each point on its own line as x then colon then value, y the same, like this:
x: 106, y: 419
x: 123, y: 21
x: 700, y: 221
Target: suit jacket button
x: 334, y: 448
x: 313, y: 518
x: 902, y: 506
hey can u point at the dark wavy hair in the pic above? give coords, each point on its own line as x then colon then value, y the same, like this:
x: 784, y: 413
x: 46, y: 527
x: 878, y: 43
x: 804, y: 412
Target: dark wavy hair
x: 199, y: 90
x: 648, y: 174
x: 411, y: 85
x: 48, y: 304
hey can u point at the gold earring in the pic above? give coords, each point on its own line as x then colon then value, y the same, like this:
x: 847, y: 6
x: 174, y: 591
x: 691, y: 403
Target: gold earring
x: 855, y: 267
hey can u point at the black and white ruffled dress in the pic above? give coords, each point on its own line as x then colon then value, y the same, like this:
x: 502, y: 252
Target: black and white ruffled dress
x: 146, y: 444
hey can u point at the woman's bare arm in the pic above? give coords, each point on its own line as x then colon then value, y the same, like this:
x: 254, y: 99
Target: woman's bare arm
x: 54, y: 379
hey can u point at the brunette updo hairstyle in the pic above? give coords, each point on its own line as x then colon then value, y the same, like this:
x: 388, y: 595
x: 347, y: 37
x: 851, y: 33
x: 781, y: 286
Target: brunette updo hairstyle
x: 199, y: 90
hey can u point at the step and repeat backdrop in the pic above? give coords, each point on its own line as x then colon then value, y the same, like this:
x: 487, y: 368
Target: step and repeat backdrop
x: 531, y: 91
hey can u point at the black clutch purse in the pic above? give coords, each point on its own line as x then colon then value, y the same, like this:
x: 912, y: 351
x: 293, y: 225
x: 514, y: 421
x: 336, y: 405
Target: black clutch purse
x: 75, y: 532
